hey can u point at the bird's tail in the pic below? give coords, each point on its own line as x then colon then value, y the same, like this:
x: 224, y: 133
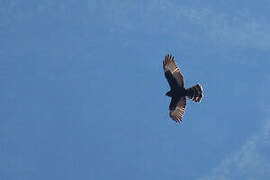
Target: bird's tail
x: 195, y: 93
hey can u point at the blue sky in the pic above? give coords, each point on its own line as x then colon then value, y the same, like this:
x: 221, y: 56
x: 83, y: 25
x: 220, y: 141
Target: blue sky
x: 83, y: 90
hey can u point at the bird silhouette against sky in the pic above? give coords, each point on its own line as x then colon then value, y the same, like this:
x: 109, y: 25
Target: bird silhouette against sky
x: 178, y: 93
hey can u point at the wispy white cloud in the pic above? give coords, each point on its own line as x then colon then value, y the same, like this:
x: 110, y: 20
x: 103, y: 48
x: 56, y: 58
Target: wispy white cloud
x: 251, y: 161
x: 204, y: 22
x: 241, y: 29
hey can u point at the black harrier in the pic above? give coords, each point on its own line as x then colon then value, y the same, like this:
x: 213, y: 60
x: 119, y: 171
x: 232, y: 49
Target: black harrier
x: 178, y: 92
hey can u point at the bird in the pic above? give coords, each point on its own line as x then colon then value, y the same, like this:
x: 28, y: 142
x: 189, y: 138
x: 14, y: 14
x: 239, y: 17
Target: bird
x: 178, y: 92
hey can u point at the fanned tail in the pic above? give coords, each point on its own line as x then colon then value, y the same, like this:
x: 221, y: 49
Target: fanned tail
x: 195, y: 93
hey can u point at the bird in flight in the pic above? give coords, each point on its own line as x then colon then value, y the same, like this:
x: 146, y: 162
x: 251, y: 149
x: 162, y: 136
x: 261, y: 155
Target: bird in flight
x: 178, y: 93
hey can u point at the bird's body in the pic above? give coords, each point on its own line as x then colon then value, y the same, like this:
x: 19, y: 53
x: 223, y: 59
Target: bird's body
x: 178, y: 93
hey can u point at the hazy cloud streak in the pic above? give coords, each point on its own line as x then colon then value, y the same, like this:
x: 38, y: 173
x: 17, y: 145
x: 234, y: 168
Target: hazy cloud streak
x: 252, y: 161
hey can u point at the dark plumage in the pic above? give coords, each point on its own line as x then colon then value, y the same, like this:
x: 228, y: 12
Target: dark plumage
x: 178, y: 92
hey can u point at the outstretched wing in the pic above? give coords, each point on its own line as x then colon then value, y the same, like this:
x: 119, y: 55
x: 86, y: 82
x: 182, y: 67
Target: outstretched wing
x: 172, y: 72
x: 177, y: 108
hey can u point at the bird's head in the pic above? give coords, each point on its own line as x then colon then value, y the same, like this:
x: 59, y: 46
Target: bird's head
x: 169, y: 93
